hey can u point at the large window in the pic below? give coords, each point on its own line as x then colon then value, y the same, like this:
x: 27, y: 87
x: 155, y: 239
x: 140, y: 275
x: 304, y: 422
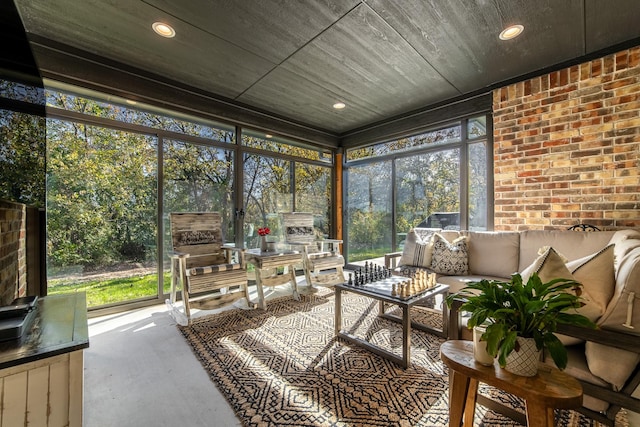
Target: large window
x: 101, y: 212
x: 115, y: 172
x: 369, y: 222
x: 437, y: 178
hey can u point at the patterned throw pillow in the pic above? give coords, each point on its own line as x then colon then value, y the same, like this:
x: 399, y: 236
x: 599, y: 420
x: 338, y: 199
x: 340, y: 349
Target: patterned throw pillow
x: 451, y: 259
x: 417, y: 249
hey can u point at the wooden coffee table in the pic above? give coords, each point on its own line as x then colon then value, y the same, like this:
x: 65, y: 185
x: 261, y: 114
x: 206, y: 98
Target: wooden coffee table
x: 542, y: 393
x: 382, y: 291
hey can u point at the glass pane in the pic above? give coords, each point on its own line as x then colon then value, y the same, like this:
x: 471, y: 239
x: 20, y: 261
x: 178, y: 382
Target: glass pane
x: 197, y: 178
x: 428, y: 191
x: 313, y: 194
x: 21, y: 92
x: 369, y: 211
x: 101, y: 212
x: 478, y: 187
x: 267, y: 193
x: 264, y: 141
x: 22, y: 158
x: 477, y: 127
x: 140, y: 115
x: 431, y: 138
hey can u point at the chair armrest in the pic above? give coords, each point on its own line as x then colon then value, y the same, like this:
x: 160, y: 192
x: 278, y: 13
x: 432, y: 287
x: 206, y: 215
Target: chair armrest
x: 178, y: 255
x: 229, y: 249
x: 332, y: 243
x: 233, y: 248
x: 390, y: 259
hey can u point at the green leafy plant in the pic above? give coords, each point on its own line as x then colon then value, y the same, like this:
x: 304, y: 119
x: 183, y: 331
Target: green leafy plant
x: 531, y: 310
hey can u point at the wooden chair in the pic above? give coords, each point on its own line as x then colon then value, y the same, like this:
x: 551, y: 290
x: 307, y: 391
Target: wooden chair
x: 201, y: 267
x: 322, y: 262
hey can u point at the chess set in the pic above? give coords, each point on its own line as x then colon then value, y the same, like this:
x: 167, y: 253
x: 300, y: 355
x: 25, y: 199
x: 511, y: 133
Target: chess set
x: 381, y: 280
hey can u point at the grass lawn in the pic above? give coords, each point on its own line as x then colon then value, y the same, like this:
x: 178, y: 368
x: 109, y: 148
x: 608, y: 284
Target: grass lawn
x: 108, y: 291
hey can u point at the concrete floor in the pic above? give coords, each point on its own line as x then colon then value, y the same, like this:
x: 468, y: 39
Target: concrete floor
x: 140, y: 371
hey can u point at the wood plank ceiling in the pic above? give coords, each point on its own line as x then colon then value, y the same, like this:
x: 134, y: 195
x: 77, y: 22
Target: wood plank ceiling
x: 296, y: 58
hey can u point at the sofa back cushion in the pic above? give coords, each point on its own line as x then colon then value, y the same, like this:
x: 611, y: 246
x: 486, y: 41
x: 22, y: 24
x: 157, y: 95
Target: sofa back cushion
x: 494, y: 254
x: 573, y: 245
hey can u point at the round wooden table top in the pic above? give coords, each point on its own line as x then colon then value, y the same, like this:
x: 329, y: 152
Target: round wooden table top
x: 550, y: 386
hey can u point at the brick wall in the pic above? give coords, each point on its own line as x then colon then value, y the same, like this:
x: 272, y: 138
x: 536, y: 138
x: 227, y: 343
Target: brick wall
x: 13, y: 265
x: 567, y: 147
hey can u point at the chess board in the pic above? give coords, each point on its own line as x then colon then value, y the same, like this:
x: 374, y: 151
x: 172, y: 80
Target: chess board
x: 385, y: 287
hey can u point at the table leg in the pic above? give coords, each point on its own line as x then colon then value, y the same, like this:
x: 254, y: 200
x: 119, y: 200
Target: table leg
x: 470, y: 402
x: 445, y: 316
x: 381, y: 308
x: 406, y: 336
x: 261, y: 302
x: 338, y: 310
x: 458, y: 391
x: 294, y: 284
x: 539, y: 415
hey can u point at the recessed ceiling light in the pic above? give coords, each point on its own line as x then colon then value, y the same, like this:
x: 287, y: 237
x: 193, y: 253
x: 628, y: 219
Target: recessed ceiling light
x: 131, y: 102
x: 511, y: 32
x: 268, y: 136
x: 164, y: 30
x: 339, y: 105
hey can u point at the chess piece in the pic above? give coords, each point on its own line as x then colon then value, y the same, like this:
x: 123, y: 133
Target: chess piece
x: 350, y: 280
x: 394, y: 291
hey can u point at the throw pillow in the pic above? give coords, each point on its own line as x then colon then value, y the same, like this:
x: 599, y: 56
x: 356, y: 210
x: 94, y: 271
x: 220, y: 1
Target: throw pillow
x: 597, y: 275
x: 417, y: 249
x: 551, y: 265
x: 451, y: 259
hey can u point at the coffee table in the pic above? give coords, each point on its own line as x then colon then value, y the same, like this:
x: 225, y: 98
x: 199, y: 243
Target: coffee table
x: 266, y: 264
x: 381, y: 290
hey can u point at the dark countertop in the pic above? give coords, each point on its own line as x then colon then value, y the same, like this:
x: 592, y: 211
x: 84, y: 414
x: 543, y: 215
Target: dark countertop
x: 60, y: 326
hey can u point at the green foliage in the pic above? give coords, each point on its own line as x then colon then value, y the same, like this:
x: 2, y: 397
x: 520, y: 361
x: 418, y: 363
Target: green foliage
x: 531, y: 310
x: 22, y: 158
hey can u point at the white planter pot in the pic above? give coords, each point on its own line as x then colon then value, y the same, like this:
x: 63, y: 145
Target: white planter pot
x: 480, y: 348
x: 524, y: 362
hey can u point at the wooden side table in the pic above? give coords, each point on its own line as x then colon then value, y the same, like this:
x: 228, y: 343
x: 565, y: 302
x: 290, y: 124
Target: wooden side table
x: 266, y: 264
x: 542, y: 393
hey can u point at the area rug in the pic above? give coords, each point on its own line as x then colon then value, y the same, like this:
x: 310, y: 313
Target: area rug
x: 283, y: 367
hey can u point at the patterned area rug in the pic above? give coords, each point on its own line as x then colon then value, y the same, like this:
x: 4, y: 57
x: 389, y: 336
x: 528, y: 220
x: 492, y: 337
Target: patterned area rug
x: 283, y: 367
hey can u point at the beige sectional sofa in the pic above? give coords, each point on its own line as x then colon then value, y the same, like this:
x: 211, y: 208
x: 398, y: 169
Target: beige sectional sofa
x: 606, y: 361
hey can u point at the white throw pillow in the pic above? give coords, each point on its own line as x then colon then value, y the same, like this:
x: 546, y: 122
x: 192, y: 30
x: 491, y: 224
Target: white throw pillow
x: 417, y: 249
x: 451, y: 259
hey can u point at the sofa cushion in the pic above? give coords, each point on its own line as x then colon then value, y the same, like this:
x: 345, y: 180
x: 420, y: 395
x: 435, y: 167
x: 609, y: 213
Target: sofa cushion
x: 571, y: 244
x: 456, y: 283
x: 450, y: 258
x: 578, y: 368
x: 613, y: 365
x: 418, y: 247
x: 485, y: 245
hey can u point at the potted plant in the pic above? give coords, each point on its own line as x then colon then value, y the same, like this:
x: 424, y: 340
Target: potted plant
x: 513, y: 312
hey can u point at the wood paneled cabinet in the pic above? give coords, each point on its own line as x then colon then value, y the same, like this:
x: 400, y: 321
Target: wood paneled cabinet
x: 41, y: 374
